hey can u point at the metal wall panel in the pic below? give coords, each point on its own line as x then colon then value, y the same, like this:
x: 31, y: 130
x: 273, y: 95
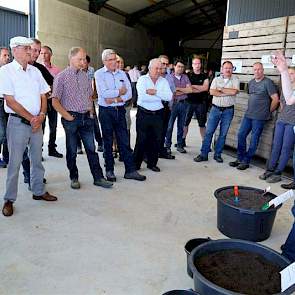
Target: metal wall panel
x: 243, y: 11
x: 12, y: 23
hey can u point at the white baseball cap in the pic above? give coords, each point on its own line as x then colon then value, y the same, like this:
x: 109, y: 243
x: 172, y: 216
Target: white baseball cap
x: 20, y: 41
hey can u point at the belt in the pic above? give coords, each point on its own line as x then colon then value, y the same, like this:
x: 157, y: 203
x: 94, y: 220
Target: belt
x: 23, y: 120
x: 112, y: 107
x: 149, y: 112
x: 180, y: 101
x: 223, y: 108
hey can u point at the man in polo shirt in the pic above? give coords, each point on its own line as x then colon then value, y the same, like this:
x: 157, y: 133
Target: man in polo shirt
x: 72, y: 98
x: 263, y: 100
x: 114, y: 89
x: 224, y: 90
x: 152, y: 90
x: 24, y: 91
x: 179, y: 106
x: 4, y: 59
x: 45, y: 59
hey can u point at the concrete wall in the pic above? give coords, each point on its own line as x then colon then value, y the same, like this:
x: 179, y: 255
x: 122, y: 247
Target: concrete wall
x: 62, y: 26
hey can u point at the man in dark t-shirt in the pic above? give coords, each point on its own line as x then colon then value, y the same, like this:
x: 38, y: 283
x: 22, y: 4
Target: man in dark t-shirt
x: 263, y: 99
x: 197, y: 100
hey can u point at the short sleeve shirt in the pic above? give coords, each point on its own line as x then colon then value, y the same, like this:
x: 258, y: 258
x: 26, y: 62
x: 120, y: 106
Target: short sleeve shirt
x: 74, y: 90
x: 259, y: 99
x: 26, y: 86
x: 197, y: 79
x: 287, y: 115
x: 220, y: 82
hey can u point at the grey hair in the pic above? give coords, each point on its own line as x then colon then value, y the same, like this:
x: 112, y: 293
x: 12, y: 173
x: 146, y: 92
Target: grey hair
x: 153, y: 61
x: 73, y: 51
x: 106, y: 53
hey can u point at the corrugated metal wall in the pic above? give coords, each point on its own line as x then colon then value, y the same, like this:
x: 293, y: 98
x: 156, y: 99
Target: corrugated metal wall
x: 12, y: 24
x: 243, y: 11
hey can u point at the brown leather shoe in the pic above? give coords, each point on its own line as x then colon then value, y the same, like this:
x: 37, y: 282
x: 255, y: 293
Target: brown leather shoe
x: 46, y: 197
x: 7, y: 208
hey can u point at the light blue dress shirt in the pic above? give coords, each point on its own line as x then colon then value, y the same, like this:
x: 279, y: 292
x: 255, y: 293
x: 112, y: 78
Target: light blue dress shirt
x: 153, y: 102
x: 108, y: 84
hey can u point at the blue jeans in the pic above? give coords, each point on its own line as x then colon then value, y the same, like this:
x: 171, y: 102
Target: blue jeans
x: 255, y: 127
x: 289, y: 246
x: 283, y: 143
x: 83, y: 125
x: 112, y: 119
x: 178, y: 111
x: 216, y: 116
x: 3, y: 124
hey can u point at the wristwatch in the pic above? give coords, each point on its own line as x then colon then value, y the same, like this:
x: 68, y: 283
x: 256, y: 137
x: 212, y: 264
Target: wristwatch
x: 42, y: 114
x: 116, y: 100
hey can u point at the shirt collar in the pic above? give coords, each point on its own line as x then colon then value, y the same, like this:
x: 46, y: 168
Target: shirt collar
x: 18, y: 66
x: 74, y: 70
x: 105, y: 69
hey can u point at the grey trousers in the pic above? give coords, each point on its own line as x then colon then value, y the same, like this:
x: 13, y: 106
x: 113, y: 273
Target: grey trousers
x: 19, y: 136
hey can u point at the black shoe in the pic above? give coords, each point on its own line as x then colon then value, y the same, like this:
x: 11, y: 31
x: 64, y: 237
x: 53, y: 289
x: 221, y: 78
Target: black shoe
x: 55, y: 153
x: 26, y: 179
x: 290, y: 185
x: 243, y: 166
x: 154, y: 168
x: 181, y: 150
x: 166, y: 156
x: 103, y: 183
x: 111, y: 176
x: 200, y: 158
x: 266, y: 174
x: 135, y: 175
x: 218, y: 159
x: 100, y: 148
x: 236, y: 163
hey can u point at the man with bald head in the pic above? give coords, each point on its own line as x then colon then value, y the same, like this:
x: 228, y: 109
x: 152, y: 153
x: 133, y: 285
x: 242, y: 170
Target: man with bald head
x: 152, y: 89
x: 72, y: 98
x: 263, y: 100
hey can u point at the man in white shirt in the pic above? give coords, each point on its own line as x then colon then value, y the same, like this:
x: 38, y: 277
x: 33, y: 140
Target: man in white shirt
x: 24, y: 89
x: 134, y: 75
x: 152, y: 90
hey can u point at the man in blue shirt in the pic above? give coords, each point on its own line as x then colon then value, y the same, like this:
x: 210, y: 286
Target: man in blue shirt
x: 113, y: 88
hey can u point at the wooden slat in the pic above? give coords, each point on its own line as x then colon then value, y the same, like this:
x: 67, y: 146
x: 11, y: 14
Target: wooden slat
x: 245, y: 54
x: 289, y: 53
x: 255, y: 40
x: 249, y: 70
x: 254, y: 47
x: 291, y: 37
x: 291, y: 28
x: 254, y: 32
x: 246, y: 62
x: 247, y: 78
x: 291, y: 19
x: 290, y: 46
x: 257, y: 25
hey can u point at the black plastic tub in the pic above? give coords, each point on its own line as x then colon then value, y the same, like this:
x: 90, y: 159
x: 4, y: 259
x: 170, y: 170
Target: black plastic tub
x: 205, y: 287
x: 181, y: 292
x: 189, y: 247
x: 246, y: 224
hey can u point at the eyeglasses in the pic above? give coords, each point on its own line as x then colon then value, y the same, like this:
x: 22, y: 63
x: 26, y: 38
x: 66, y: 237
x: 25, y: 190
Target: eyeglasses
x: 165, y: 63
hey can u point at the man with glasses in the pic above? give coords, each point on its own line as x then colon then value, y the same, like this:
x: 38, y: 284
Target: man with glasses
x: 114, y: 90
x: 24, y: 91
x: 166, y: 111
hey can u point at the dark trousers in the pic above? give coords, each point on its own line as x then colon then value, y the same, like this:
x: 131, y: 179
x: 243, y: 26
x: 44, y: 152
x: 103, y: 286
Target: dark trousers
x: 3, y: 124
x: 112, y: 119
x: 289, y: 246
x: 134, y: 93
x: 166, y: 117
x: 149, y: 128
x: 83, y: 125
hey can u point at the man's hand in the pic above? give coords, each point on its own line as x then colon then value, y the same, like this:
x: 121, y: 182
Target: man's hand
x: 36, y: 122
x: 68, y: 117
x: 151, y: 91
x: 113, y: 100
x: 279, y: 61
x: 122, y: 90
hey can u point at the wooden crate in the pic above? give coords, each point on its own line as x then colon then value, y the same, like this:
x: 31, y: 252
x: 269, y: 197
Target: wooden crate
x: 248, y: 42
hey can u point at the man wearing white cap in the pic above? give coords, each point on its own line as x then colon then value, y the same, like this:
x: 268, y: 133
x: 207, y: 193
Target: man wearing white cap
x: 24, y: 89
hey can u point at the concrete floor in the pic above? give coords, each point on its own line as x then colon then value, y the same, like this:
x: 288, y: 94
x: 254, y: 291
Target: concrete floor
x: 125, y: 241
